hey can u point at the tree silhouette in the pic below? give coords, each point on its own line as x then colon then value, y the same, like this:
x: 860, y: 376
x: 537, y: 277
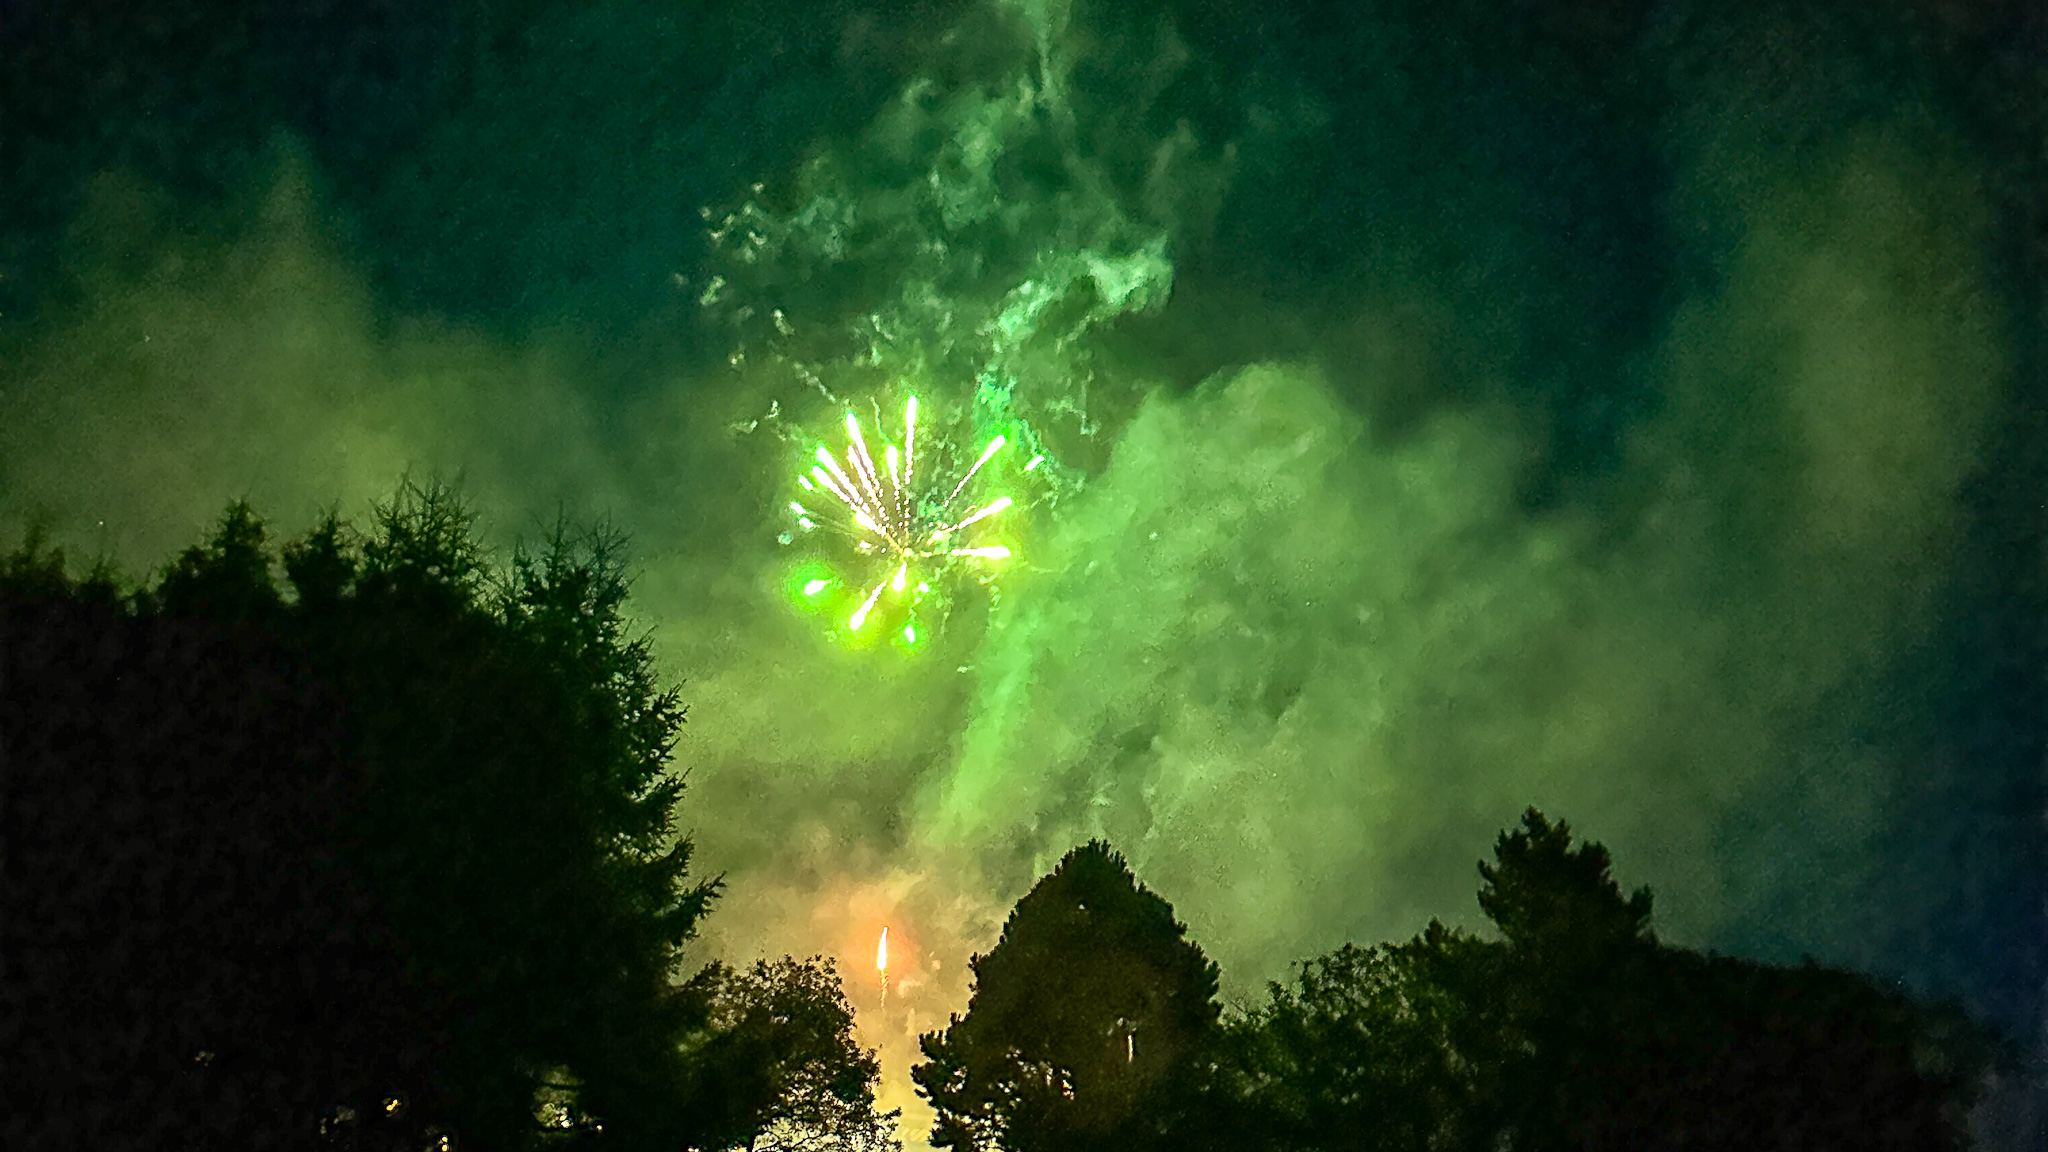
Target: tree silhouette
x: 1554, y: 901
x: 1723, y: 1053
x: 1569, y: 978
x: 370, y: 853
x: 189, y: 962
x: 777, y: 1068
x: 1371, y: 1049
x: 1089, y: 1024
x: 1579, y: 1030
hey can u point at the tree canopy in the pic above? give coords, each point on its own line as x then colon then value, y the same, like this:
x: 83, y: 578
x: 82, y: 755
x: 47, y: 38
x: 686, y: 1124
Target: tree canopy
x: 1577, y: 1029
x: 777, y: 1068
x: 387, y: 839
x: 1093, y: 1024
x: 1088, y: 1025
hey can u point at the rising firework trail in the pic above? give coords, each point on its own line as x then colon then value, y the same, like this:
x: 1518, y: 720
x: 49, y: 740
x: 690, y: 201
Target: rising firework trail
x: 882, y: 962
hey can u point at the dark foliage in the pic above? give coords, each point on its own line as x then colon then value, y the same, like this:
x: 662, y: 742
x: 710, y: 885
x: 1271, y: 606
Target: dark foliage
x: 188, y: 963
x: 367, y: 853
x: 1089, y: 1025
x: 777, y: 1066
x: 1578, y: 1030
x: 1371, y: 1049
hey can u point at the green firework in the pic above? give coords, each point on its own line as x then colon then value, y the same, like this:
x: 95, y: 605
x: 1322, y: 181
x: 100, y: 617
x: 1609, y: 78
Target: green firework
x: 896, y: 519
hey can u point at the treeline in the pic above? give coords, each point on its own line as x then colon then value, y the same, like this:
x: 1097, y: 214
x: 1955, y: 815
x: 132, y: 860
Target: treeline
x: 361, y: 843
x: 1095, y: 1026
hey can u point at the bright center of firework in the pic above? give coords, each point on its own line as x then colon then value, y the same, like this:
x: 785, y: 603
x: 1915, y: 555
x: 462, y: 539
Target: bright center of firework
x: 902, y: 523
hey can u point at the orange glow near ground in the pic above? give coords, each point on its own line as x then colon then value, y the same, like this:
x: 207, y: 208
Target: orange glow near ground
x: 936, y: 918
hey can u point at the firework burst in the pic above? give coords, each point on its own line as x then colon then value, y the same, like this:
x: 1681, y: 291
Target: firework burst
x: 902, y: 520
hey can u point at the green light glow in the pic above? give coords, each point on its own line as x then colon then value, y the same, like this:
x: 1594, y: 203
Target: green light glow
x: 1035, y: 462
x: 900, y: 525
x: 812, y: 586
x: 998, y: 505
x: 860, y: 614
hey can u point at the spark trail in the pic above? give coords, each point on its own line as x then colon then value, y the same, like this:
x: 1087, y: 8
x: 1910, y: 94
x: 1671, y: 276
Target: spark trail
x: 882, y: 962
x: 905, y: 525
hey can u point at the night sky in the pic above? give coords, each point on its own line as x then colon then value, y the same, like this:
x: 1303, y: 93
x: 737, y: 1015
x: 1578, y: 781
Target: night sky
x: 1447, y: 407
